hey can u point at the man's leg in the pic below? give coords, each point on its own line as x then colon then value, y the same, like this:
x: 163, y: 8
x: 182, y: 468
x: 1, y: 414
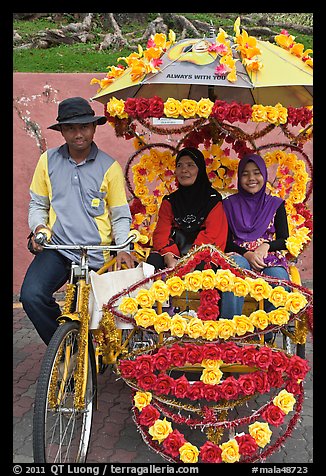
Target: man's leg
x: 232, y: 305
x: 48, y: 271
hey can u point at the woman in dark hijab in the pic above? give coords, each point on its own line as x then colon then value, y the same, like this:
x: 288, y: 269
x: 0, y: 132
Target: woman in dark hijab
x: 192, y: 215
x: 258, y: 229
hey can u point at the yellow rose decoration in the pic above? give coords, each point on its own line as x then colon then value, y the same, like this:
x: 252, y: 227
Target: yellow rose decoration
x: 224, y: 280
x: 225, y: 328
x: 193, y: 281
x: 272, y: 114
x: 212, y: 364
x: 160, y: 430
x: 295, y: 302
x: 259, y: 288
x: 162, y: 322
x: 240, y: 287
x: 230, y: 451
x: 208, y: 279
x: 285, y: 401
x: 176, y: 286
x: 145, y: 317
x: 258, y: 113
x: 128, y: 305
x: 211, y: 330
x: 172, y: 108
x: 279, y: 316
x: 261, y: 433
x: 195, y: 328
x: 278, y: 296
x: 116, y: 107
x: 142, y: 399
x: 145, y: 298
x: 188, y: 453
x: 259, y: 319
x: 204, y: 107
x: 160, y: 291
x: 188, y: 108
x: 242, y: 325
x: 211, y: 376
x: 178, y: 325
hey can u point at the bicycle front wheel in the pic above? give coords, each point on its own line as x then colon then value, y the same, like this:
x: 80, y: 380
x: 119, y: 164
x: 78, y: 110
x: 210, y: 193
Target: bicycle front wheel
x: 62, y: 431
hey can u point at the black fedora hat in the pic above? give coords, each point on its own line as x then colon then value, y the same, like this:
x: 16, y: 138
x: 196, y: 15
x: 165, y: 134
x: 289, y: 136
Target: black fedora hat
x: 76, y: 110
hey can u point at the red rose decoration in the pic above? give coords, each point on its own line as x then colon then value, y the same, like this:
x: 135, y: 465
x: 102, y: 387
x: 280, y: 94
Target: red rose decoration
x: 297, y: 368
x: 143, y: 107
x: 230, y: 352
x: 181, y: 386
x: 220, y: 110
x: 127, y: 369
x: 148, y: 415
x: 273, y: 415
x: 264, y: 358
x: 247, y: 384
x: 234, y: 112
x: 177, y: 355
x: 210, y: 453
x: 275, y: 378
x: 247, y: 445
x: 173, y: 442
x: 262, y: 383
x: 279, y: 361
x: 293, y: 387
x: 193, y: 353
x: 209, y: 297
x: 208, y: 312
x: 131, y: 107
x: 147, y: 382
x: 164, y: 384
x: 162, y: 359
x: 230, y: 388
x: 144, y: 365
x: 212, y: 352
x: 196, y: 391
x: 212, y: 393
x: 156, y: 106
x: 248, y: 355
x: 246, y: 113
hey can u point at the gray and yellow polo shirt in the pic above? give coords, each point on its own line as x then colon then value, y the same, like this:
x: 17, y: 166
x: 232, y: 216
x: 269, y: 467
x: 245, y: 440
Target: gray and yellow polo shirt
x: 82, y: 203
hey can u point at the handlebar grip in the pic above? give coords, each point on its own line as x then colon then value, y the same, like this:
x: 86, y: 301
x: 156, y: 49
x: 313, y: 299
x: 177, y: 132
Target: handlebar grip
x: 138, y: 236
x: 43, y: 236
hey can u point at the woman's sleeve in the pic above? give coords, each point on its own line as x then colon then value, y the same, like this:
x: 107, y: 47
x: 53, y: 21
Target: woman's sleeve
x: 161, y: 236
x: 281, y: 229
x: 215, y: 229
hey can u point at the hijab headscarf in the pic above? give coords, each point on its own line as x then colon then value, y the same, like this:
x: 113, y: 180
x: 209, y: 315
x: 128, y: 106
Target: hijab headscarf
x: 191, y: 204
x: 250, y: 214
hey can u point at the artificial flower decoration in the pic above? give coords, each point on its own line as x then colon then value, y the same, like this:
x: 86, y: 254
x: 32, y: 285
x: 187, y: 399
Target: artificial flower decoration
x: 201, y: 338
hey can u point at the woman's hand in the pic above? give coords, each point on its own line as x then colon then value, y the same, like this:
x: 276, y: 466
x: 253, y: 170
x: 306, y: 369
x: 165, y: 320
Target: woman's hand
x: 256, y: 258
x: 170, y: 260
x: 124, y: 257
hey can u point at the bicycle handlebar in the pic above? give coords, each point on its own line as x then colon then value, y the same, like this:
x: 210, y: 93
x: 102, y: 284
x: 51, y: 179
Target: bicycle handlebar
x: 133, y: 237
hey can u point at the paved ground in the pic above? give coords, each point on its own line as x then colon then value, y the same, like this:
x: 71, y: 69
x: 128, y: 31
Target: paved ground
x: 115, y: 438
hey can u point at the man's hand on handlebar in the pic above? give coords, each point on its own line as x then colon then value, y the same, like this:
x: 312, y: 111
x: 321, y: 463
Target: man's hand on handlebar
x: 124, y: 257
x: 42, y: 234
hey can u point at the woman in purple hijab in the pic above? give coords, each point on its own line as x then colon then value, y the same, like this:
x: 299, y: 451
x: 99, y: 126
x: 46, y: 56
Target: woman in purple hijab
x: 258, y: 229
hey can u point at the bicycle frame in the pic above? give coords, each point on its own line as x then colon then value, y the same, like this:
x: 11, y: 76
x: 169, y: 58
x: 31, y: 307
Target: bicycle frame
x: 79, y: 279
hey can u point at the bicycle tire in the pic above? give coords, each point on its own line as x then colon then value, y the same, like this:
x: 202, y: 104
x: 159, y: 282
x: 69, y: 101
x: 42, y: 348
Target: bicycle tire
x: 61, y: 433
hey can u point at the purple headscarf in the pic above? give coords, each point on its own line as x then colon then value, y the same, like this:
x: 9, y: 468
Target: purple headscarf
x: 250, y: 214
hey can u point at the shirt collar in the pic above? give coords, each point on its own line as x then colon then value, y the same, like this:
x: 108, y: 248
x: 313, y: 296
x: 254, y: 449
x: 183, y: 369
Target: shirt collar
x: 63, y: 150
